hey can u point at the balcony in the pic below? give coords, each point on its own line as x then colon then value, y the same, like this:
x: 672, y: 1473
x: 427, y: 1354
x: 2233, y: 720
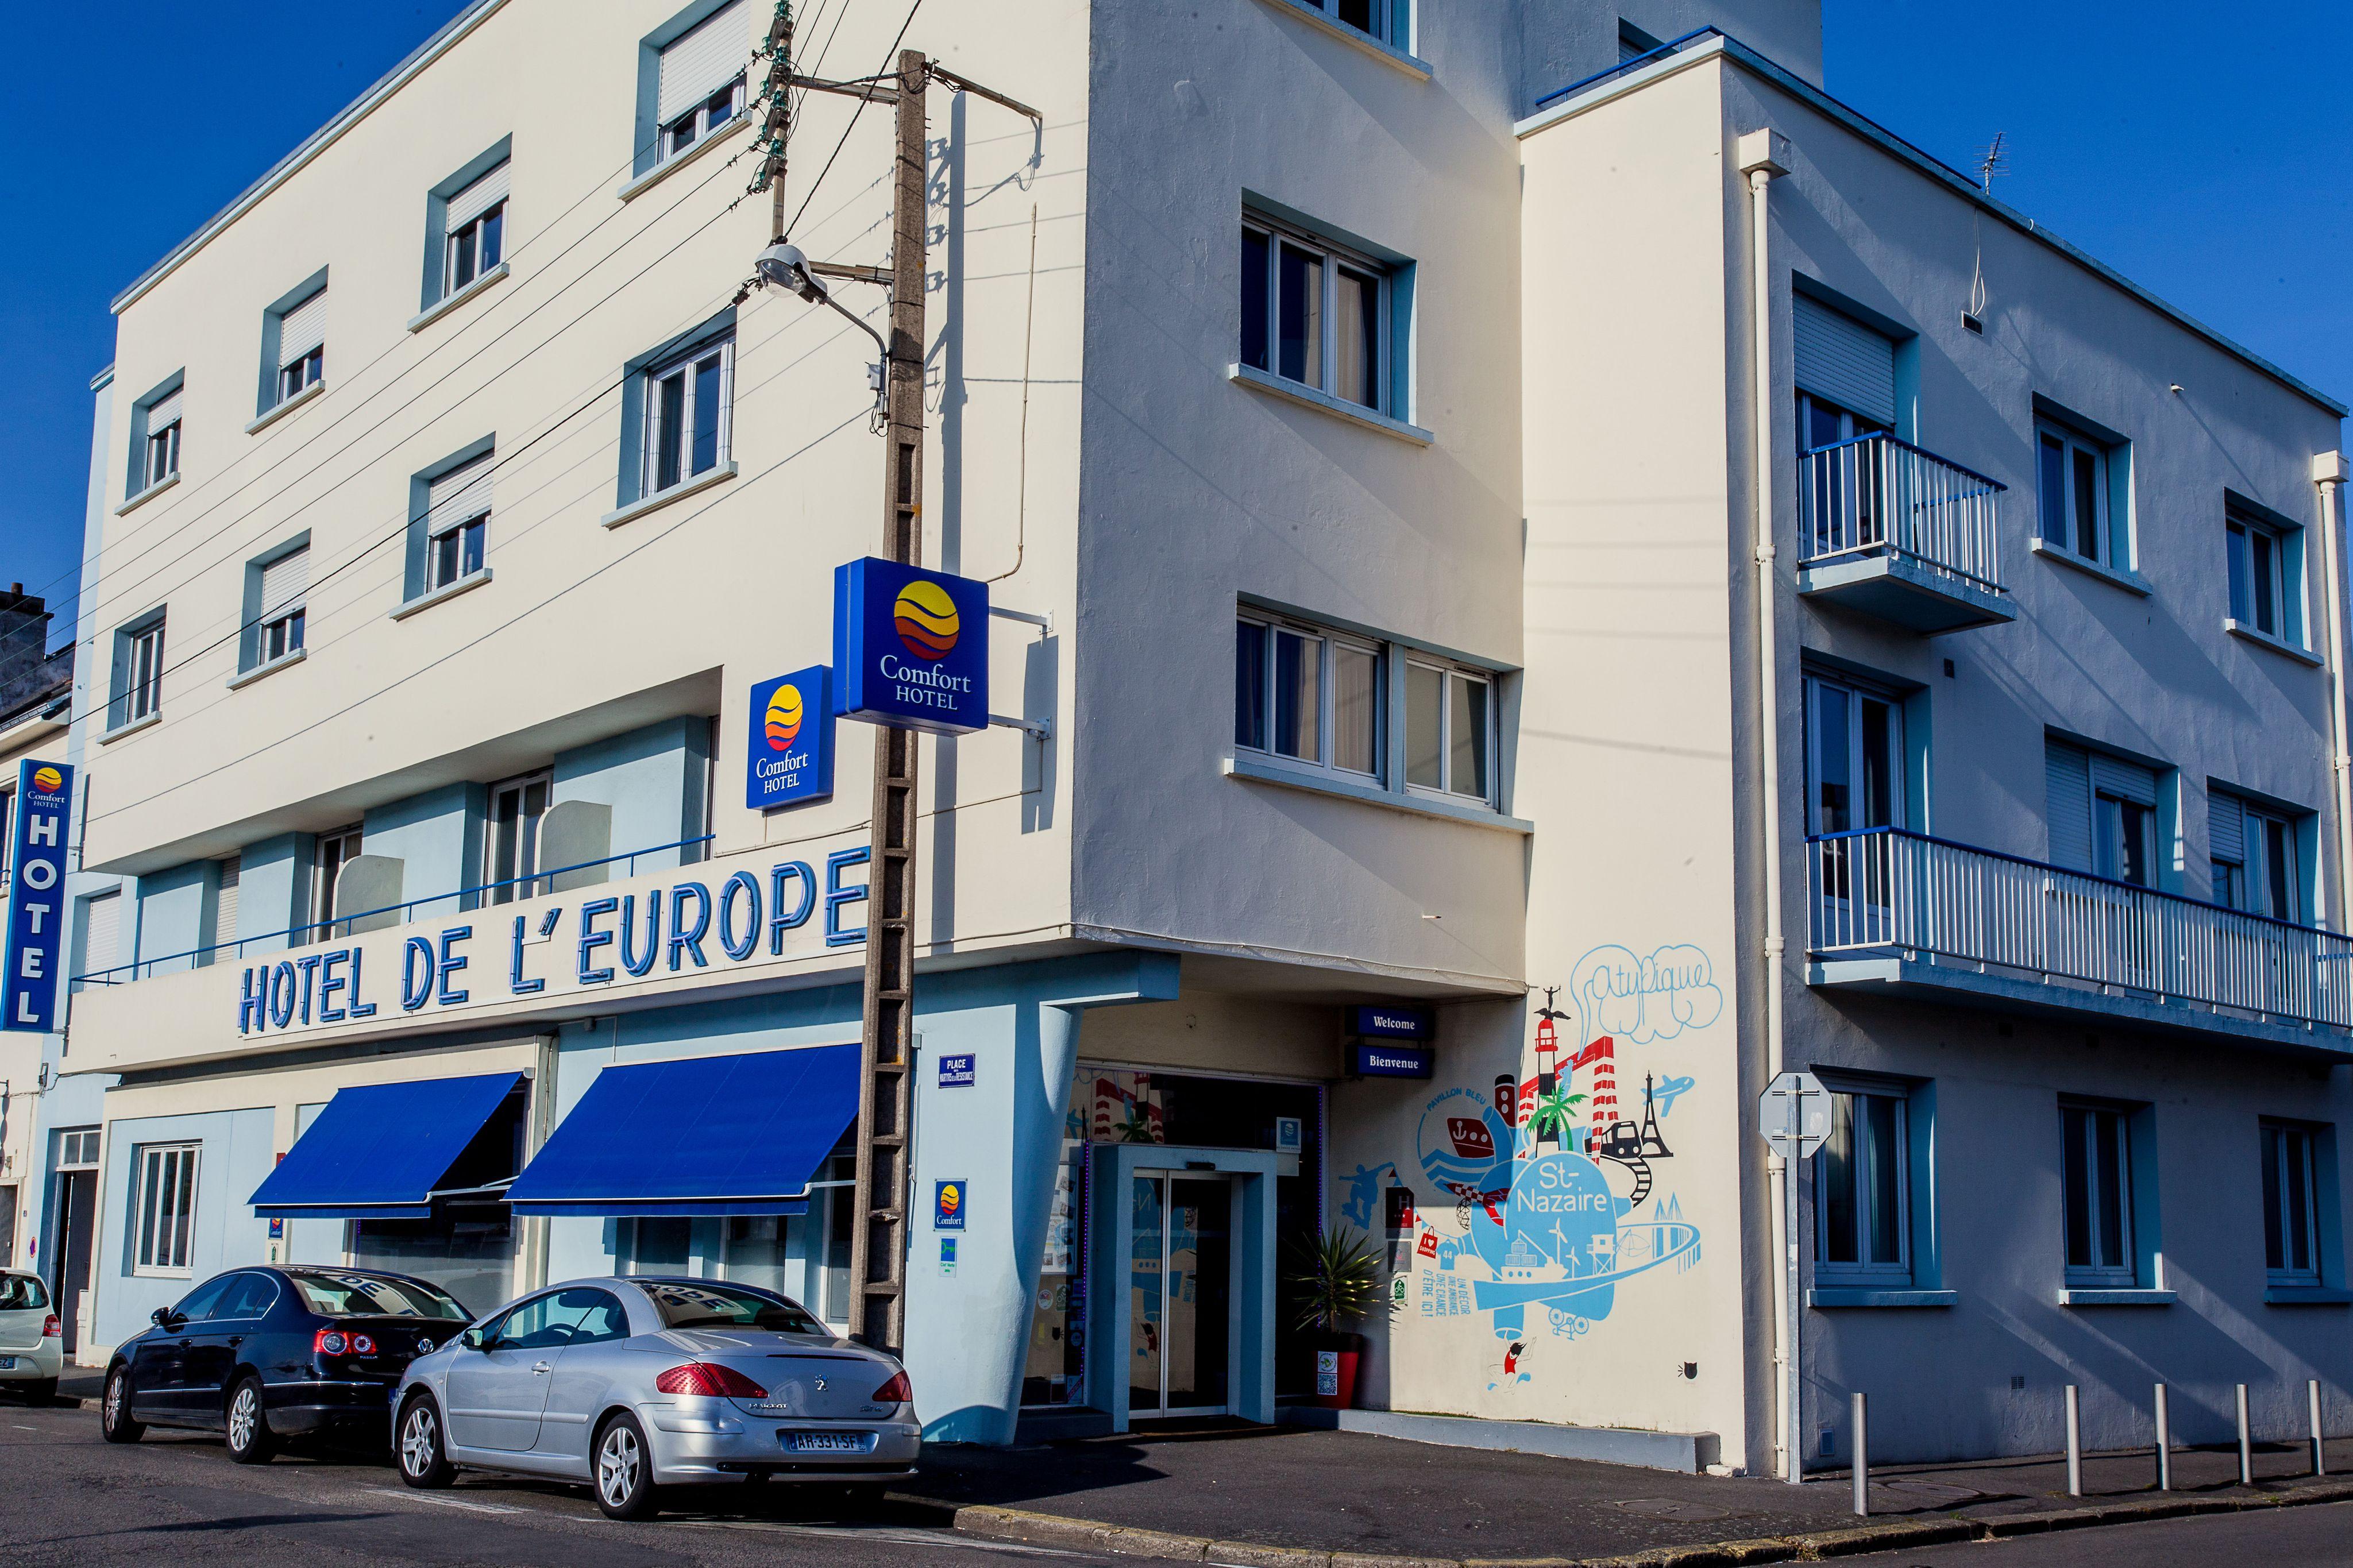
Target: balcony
x: 1896, y: 533
x: 1900, y: 913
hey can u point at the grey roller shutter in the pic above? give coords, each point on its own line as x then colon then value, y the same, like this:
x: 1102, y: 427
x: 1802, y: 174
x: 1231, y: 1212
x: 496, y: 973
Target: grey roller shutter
x: 478, y: 198
x: 2227, y: 829
x: 2121, y: 780
x: 1840, y: 359
x: 163, y: 412
x: 2067, y: 777
x: 103, y: 936
x: 699, y: 62
x: 302, y: 329
x: 225, y: 907
x: 459, y: 496
x: 284, y: 582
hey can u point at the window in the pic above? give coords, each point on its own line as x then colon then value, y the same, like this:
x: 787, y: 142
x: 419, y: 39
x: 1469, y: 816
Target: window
x: 2073, y: 497
x: 2096, y: 1174
x: 687, y: 416
x: 511, y: 848
x: 101, y: 932
x: 456, y: 523
x: 1632, y: 42
x: 301, y: 345
x: 1382, y: 20
x: 335, y: 850
x: 164, y: 1207
x: 248, y: 1295
x: 700, y: 80
x: 333, y: 1294
x: 2103, y: 813
x: 1310, y: 696
x: 709, y: 1305
x: 1314, y: 314
x: 2266, y: 577
x: 2256, y: 859
x: 1862, y: 1188
x: 162, y: 455
x: 279, y: 621
x: 1854, y: 758
x: 475, y: 231
x: 1450, y: 726
x: 78, y: 1151
x: 138, y: 673
x: 2291, y: 1205
x: 225, y: 902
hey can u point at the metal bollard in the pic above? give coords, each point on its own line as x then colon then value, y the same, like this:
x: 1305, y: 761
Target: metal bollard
x: 2246, y: 1444
x: 1861, y: 1461
x: 2074, y: 1441
x: 2164, y: 1442
x: 2312, y: 1398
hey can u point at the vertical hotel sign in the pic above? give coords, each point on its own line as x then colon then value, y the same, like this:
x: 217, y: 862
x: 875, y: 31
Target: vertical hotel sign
x: 36, y: 897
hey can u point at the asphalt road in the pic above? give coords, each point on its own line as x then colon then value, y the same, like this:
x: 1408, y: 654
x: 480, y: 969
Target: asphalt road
x: 2314, y: 1537
x: 68, y: 1497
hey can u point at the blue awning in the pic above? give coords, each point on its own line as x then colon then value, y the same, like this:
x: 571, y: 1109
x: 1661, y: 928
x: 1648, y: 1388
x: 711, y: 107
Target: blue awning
x: 380, y: 1150
x: 739, y: 1134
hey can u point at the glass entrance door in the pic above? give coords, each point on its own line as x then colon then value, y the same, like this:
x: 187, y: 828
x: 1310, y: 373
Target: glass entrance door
x: 1180, y: 1290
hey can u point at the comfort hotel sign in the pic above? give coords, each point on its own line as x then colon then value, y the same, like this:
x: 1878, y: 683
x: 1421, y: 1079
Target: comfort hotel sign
x: 36, y: 897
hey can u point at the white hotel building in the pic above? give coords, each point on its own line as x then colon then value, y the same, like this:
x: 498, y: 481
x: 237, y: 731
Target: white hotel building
x: 1438, y: 378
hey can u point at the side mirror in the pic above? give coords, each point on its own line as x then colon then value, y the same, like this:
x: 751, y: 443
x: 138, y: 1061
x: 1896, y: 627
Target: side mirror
x: 474, y: 1339
x: 164, y: 1318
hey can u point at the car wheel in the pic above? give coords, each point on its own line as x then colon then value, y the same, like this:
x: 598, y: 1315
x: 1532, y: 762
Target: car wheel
x: 41, y: 1392
x: 625, y: 1471
x: 114, y: 1409
x: 423, y: 1464
x: 249, y: 1442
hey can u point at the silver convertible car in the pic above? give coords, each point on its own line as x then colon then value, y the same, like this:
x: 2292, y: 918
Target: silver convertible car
x: 634, y: 1384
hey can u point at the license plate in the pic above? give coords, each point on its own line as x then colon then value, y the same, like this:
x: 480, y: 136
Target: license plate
x: 828, y: 1442
x: 8, y: 1363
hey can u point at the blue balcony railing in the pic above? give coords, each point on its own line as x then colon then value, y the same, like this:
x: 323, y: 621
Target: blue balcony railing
x: 1883, y: 890
x: 1874, y: 495
x: 341, y: 926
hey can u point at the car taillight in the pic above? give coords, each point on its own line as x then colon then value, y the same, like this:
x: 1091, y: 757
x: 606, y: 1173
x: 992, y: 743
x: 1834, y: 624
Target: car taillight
x: 898, y: 1391
x: 50, y: 1328
x: 329, y: 1342
x: 709, y: 1378
x: 363, y: 1345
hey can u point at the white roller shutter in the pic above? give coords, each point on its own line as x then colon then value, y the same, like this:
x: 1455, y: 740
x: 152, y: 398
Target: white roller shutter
x: 163, y: 413
x: 478, y: 198
x: 1840, y: 359
x: 302, y: 329
x: 459, y: 496
x: 2067, y: 778
x: 2228, y: 828
x: 102, y: 936
x: 225, y: 907
x: 284, y: 582
x: 698, y: 63
x: 2121, y: 780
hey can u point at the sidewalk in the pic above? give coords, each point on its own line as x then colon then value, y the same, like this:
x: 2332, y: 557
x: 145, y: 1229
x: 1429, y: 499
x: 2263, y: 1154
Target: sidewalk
x: 1344, y: 1495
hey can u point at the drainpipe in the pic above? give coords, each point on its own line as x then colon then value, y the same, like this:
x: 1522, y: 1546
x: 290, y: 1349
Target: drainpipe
x: 1763, y: 154
x: 2329, y: 473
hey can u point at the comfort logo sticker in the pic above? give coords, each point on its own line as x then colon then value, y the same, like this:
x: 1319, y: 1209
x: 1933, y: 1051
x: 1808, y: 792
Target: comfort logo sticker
x: 785, y: 714
x: 49, y: 780
x: 926, y: 620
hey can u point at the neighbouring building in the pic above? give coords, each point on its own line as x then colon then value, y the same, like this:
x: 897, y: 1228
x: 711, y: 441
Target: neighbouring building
x: 1369, y: 422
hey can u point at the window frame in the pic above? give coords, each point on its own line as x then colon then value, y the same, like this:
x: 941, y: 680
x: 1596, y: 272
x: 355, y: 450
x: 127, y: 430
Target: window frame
x: 2243, y: 533
x: 704, y: 126
x: 1332, y: 257
x: 140, y: 647
x: 1861, y: 1271
x: 1453, y: 671
x: 302, y: 373
x: 469, y: 543
x: 489, y: 223
x: 653, y: 431
x: 281, y: 634
x: 2270, y: 862
x: 148, y: 1159
x: 167, y: 442
x: 1857, y: 693
x: 351, y: 842
x: 2109, y: 542
x: 1329, y: 643
x: 2093, y: 1274
x: 2282, y: 1169
x: 523, y: 882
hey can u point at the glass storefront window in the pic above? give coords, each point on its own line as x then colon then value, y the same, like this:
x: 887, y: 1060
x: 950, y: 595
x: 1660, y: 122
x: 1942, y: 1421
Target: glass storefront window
x: 468, y: 1249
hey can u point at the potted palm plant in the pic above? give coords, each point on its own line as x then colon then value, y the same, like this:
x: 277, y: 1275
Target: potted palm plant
x: 1335, y: 1282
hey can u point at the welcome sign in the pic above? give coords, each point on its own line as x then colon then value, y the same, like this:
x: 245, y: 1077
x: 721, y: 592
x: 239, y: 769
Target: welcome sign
x: 788, y: 756
x: 36, y: 900
x: 910, y: 646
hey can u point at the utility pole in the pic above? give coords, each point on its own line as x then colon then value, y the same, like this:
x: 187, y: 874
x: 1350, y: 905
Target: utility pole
x: 882, y: 1190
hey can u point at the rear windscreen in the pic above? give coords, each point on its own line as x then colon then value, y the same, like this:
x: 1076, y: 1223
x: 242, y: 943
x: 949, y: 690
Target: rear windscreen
x: 701, y: 1305
x: 368, y: 1295
x: 22, y: 1293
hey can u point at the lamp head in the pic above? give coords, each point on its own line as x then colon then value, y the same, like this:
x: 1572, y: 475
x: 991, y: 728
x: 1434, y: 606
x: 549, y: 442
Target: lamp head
x: 785, y: 264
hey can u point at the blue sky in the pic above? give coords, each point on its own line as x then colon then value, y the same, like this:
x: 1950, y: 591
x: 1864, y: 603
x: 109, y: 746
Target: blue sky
x: 2201, y: 154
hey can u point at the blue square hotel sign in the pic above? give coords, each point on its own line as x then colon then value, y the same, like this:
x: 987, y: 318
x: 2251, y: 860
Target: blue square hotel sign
x: 789, y: 751
x: 910, y: 646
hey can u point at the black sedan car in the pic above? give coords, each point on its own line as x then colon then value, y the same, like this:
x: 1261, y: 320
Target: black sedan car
x: 261, y: 1354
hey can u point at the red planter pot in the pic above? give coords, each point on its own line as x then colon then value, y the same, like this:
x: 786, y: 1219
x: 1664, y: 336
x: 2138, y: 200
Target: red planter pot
x: 1336, y: 1359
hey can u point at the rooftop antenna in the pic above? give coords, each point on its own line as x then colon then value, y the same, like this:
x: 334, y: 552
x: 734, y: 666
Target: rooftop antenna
x: 1991, y: 160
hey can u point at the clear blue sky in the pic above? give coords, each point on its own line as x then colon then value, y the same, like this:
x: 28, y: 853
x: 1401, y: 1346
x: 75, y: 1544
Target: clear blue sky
x: 2202, y: 150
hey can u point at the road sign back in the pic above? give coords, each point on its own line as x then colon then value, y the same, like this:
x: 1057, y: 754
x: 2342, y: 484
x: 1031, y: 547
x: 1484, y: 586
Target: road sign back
x: 1794, y: 1114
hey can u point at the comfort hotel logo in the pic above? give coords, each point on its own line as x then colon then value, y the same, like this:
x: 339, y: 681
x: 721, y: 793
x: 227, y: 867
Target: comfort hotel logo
x: 49, y: 780
x: 786, y: 711
x: 926, y: 620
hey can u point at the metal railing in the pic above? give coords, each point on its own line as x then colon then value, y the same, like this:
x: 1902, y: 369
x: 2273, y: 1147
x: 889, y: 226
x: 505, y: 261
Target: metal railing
x: 1874, y: 495
x: 342, y: 926
x: 1878, y: 889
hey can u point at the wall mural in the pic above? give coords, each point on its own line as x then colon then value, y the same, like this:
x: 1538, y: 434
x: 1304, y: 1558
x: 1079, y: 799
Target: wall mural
x: 1555, y: 1178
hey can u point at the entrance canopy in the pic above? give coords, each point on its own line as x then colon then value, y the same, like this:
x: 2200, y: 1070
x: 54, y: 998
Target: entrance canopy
x: 382, y: 1150
x: 740, y: 1134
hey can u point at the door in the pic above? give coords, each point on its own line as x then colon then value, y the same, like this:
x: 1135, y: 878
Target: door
x: 594, y: 1325
x: 498, y: 1393
x: 1180, y: 1294
x: 215, y: 1345
x: 159, y: 1359
x: 71, y: 1264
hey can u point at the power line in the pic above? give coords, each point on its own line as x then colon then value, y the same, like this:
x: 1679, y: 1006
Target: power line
x: 878, y: 73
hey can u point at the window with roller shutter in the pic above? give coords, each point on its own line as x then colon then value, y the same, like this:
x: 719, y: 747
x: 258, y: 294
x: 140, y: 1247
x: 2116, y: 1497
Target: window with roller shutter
x: 696, y: 82
x: 475, y: 224
x: 457, y: 521
x: 302, y: 345
x: 284, y: 582
x: 101, y: 932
